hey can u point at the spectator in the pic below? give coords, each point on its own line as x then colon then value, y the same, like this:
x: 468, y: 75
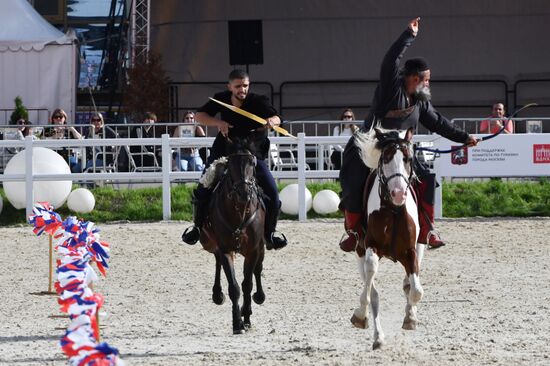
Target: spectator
x: 188, y: 159
x: 146, y: 155
x: 100, y: 131
x: 347, y: 128
x: 61, y: 131
x: 493, y: 126
x: 24, y: 129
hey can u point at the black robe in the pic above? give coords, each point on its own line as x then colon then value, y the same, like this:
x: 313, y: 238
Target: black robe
x: 390, y: 108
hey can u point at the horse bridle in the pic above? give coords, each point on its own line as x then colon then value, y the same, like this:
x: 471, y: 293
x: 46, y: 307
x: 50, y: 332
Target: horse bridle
x: 243, y: 182
x: 383, y: 190
x: 236, y: 232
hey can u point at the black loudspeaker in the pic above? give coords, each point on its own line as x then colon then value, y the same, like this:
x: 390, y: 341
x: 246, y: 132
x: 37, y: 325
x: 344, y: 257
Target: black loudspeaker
x: 245, y: 42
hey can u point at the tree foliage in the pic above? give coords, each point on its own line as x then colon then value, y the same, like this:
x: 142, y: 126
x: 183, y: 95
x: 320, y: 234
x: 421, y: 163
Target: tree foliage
x: 20, y: 111
x: 147, y: 90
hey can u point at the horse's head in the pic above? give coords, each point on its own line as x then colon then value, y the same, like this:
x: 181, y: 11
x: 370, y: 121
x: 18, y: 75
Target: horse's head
x: 395, y: 167
x: 241, y: 164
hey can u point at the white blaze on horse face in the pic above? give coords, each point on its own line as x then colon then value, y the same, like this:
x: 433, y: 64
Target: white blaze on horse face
x: 397, y: 185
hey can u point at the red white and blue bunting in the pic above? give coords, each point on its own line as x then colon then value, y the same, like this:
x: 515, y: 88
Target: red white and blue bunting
x: 78, y: 244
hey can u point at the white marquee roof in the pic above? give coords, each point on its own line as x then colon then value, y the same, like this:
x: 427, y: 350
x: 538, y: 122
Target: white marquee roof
x: 22, y: 28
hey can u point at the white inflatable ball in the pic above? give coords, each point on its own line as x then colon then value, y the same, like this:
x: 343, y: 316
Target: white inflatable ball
x: 289, y: 199
x: 81, y: 200
x: 44, y: 161
x: 326, y: 202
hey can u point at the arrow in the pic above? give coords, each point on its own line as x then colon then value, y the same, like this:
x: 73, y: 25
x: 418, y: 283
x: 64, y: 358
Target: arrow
x: 252, y: 116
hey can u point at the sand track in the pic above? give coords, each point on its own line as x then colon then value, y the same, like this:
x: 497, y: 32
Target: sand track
x: 486, y: 300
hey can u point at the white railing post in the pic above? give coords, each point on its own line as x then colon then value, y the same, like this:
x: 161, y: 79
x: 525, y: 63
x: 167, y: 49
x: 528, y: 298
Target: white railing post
x: 320, y: 157
x: 166, y: 168
x: 438, y: 204
x: 302, y: 212
x: 29, y: 189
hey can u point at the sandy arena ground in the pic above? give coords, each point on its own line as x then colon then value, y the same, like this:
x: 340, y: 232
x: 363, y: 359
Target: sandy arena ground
x: 486, y: 300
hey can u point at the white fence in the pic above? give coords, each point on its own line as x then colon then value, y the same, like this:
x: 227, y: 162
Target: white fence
x: 166, y: 176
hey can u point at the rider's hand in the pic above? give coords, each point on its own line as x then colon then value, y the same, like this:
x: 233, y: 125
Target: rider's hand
x: 273, y: 121
x: 471, y: 141
x: 224, y: 127
x: 413, y: 26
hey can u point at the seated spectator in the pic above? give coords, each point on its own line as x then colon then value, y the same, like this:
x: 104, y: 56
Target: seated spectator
x: 493, y: 126
x: 347, y: 128
x: 188, y: 159
x: 100, y: 131
x: 61, y: 131
x: 146, y: 155
x: 24, y: 129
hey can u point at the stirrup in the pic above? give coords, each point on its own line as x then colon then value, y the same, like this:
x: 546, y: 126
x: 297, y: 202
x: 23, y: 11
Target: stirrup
x: 349, y: 233
x: 437, y: 243
x: 279, y: 243
x: 191, y: 235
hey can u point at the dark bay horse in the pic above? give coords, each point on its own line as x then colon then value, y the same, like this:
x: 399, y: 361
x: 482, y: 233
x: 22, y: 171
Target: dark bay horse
x: 235, y: 224
x: 391, y: 229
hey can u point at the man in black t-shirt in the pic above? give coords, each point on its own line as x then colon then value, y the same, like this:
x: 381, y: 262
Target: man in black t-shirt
x: 230, y: 125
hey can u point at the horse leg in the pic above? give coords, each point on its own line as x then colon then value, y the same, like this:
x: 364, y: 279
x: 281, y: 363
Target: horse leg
x: 234, y: 292
x: 248, y: 271
x: 371, y: 268
x: 259, y: 295
x: 413, y: 289
x: 217, y: 294
x: 360, y: 318
x: 375, y: 307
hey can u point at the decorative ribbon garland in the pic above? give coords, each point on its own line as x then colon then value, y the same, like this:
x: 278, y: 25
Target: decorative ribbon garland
x: 78, y: 243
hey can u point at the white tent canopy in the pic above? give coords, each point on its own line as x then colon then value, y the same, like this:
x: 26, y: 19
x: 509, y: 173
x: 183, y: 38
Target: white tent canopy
x: 37, y: 62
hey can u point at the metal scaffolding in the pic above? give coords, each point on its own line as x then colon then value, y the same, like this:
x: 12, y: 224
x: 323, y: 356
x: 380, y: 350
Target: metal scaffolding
x: 140, y: 38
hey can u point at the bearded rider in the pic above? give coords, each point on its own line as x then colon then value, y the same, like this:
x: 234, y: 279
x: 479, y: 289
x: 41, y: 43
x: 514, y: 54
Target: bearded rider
x: 401, y: 100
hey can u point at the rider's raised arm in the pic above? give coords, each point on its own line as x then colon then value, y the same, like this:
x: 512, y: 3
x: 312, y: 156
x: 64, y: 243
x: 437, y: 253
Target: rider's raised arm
x: 435, y: 122
x: 389, y: 71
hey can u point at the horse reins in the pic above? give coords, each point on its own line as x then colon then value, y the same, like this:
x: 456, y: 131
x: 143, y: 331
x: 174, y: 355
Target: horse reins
x: 383, y: 191
x: 385, y: 195
x: 237, y: 232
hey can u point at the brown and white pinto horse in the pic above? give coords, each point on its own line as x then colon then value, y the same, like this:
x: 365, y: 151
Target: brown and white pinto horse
x: 235, y: 224
x: 391, y: 230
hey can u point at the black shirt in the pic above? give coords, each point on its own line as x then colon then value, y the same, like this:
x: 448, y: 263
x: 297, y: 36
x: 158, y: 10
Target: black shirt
x: 242, y: 126
x: 390, y: 95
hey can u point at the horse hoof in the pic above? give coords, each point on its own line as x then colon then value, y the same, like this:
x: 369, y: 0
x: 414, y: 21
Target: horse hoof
x: 377, y: 345
x: 238, y: 331
x: 258, y: 297
x: 409, y: 325
x: 247, y: 326
x: 218, y: 298
x: 359, y: 323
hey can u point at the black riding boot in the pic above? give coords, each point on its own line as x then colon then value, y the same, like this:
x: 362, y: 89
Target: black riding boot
x: 272, y: 241
x: 192, y: 234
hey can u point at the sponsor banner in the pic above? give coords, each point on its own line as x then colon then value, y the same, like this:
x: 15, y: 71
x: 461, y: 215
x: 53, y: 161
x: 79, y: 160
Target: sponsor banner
x: 502, y: 156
